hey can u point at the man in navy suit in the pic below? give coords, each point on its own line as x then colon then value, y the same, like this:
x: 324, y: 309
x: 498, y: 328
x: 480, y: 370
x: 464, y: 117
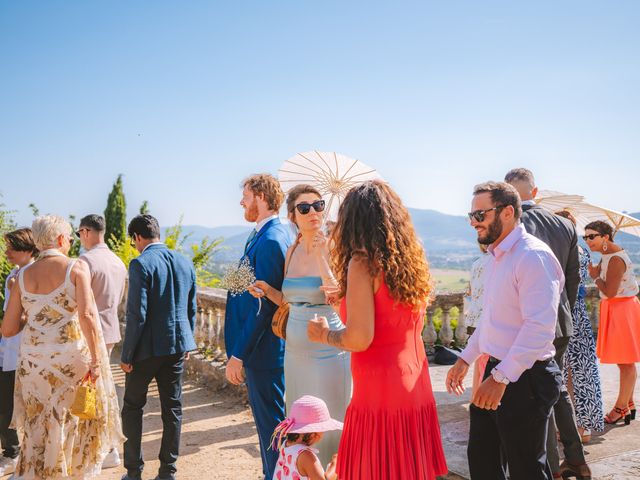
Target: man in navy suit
x: 161, y: 317
x: 250, y: 342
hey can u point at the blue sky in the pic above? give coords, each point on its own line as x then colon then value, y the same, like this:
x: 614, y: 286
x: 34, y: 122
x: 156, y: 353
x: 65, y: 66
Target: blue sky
x: 187, y: 98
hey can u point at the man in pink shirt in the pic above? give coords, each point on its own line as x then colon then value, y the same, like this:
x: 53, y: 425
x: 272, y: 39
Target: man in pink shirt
x: 108, y: 276
x: 523, y: 281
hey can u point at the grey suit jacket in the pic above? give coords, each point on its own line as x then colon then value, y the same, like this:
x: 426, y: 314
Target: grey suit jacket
x: 560, y: 234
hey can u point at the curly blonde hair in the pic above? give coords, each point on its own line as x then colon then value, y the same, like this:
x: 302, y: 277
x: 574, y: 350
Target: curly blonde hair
x: 373, y: 221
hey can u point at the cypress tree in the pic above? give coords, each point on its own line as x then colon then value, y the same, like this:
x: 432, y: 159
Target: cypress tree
x: 115, y: 214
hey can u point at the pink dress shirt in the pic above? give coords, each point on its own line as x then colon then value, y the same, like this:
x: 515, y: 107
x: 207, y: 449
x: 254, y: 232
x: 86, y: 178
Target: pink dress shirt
x: 522, y: 285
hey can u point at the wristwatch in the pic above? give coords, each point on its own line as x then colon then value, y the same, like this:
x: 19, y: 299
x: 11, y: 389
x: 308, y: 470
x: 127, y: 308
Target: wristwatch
x: 499, y: 377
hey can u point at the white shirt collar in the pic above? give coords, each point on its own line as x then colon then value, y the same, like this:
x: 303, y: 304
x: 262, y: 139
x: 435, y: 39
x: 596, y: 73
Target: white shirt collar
x: 153, y: 243
x: 529, y: 202
x: 264, y: 221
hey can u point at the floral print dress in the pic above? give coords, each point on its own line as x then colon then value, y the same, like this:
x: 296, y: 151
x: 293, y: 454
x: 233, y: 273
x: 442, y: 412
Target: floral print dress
x: 581, y: 362
x: 54, y: 358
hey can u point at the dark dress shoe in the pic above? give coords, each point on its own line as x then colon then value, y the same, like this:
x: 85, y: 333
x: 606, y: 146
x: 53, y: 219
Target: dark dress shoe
x: 580, y: 472
x: 169, y: 477
x: 132, y: 476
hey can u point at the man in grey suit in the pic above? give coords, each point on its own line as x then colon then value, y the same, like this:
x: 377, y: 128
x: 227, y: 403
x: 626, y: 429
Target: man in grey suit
x: 561, y: 236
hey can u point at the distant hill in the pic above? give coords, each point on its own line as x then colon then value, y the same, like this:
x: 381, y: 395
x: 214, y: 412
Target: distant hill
x: 449, y: 240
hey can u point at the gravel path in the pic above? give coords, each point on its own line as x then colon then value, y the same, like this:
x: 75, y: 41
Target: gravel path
x: 218, y: 441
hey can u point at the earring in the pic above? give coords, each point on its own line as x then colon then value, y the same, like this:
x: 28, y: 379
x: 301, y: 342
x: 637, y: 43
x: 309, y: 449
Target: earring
x: 605, y: 247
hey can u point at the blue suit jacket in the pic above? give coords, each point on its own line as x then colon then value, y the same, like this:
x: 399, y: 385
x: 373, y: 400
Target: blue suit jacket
x: 248, y: 335
x: 161, y: 305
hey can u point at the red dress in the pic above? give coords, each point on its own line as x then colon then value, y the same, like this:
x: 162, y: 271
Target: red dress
x: 391, y: 429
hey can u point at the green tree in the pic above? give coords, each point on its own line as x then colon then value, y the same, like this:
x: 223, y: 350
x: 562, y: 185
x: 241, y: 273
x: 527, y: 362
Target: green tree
x: 74, y: 251
x: 6, y: 225
x: 144, y: 208
x: 202, y: 255
x: 115, y: 215
x: 124, y: 250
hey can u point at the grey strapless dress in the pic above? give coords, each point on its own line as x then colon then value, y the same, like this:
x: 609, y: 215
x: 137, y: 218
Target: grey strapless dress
x: 313, y: 368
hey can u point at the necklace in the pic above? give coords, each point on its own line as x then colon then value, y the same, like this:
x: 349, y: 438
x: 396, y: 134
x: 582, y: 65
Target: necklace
x: 50, y: 252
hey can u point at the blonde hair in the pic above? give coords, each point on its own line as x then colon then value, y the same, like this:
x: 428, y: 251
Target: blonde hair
x: 47, y: 228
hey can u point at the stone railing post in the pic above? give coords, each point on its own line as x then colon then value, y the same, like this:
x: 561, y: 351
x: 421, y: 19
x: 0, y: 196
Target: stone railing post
x: 446, y: 334
x: 461, y: 329
x: 429, y: 335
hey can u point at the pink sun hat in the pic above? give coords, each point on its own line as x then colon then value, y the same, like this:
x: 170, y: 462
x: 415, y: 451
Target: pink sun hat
x: 308, y: 415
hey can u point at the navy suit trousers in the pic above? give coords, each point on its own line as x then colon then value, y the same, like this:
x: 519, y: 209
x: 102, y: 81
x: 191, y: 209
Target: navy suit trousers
x: 266, y: 397
x: 167, y: 371
x: 515, y: 435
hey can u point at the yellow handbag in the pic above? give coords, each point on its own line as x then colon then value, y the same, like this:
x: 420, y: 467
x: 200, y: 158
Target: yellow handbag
x: 84, y: 403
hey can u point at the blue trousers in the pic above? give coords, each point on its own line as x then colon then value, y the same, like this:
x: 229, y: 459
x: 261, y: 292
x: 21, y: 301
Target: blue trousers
x: 266, y: 398
x: 167, y: 370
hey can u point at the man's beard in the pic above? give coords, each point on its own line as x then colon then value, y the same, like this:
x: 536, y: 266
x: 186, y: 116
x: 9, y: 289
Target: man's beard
x: 493, y: 232
x: 251, y: 213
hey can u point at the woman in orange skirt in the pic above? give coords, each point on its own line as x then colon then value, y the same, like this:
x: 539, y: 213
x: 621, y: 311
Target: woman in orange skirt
x: 619, y: 330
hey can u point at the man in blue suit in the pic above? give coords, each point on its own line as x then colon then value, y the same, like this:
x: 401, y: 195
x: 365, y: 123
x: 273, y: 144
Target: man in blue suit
x: 250, y: 342
x: 161, y: 317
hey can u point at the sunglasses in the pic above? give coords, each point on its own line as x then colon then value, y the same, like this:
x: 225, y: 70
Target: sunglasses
x: 80, y: 230
x: 305, y: 208
x: 480, y: 215
x: 591, y: 236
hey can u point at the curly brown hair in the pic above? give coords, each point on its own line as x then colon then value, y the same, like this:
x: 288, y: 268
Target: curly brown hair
x: 268, y: 187
x: 373, y: 220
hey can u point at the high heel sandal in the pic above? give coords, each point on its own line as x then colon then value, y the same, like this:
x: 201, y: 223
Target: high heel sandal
x: 624, y: 413
x: 632, y: 410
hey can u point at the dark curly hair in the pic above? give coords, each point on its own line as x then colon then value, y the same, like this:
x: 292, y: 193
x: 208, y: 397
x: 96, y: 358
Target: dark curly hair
x: 373, y: 221
x: 603, y: 228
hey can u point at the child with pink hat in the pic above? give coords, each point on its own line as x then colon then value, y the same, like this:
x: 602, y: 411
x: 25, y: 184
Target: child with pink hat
x: 308, y: 419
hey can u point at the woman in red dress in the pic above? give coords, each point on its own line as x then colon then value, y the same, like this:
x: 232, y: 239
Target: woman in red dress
x: 391, y: 427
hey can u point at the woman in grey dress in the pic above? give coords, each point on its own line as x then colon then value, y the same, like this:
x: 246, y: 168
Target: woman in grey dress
x: 310, y: 368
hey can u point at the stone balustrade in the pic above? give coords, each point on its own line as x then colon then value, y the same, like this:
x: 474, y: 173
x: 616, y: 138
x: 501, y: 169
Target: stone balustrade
x: 210, y: 322
x: 444, y: 323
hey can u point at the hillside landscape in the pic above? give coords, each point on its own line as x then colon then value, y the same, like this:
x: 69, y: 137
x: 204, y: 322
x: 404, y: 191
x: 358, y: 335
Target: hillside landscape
x: 449, y: 241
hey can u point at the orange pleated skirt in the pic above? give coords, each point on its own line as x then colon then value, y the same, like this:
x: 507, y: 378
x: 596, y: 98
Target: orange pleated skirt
x: 619, y: 330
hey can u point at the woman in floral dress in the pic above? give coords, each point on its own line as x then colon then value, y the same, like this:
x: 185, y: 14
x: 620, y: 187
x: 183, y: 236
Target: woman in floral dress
x: 61, y: 344
x: 581, y: 372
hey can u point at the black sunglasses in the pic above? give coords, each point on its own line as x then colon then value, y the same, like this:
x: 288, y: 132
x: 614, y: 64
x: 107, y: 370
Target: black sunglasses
x: 305, y: 208
x: 479, y: 215
x: 591, y: 236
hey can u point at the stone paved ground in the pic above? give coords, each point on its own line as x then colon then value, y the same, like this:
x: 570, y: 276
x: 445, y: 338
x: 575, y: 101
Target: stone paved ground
x: 219, y: 440
x: 613, y: 454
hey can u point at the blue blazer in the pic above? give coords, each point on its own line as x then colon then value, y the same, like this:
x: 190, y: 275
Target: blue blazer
x: 248, y: 335
x: 161, y: 305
